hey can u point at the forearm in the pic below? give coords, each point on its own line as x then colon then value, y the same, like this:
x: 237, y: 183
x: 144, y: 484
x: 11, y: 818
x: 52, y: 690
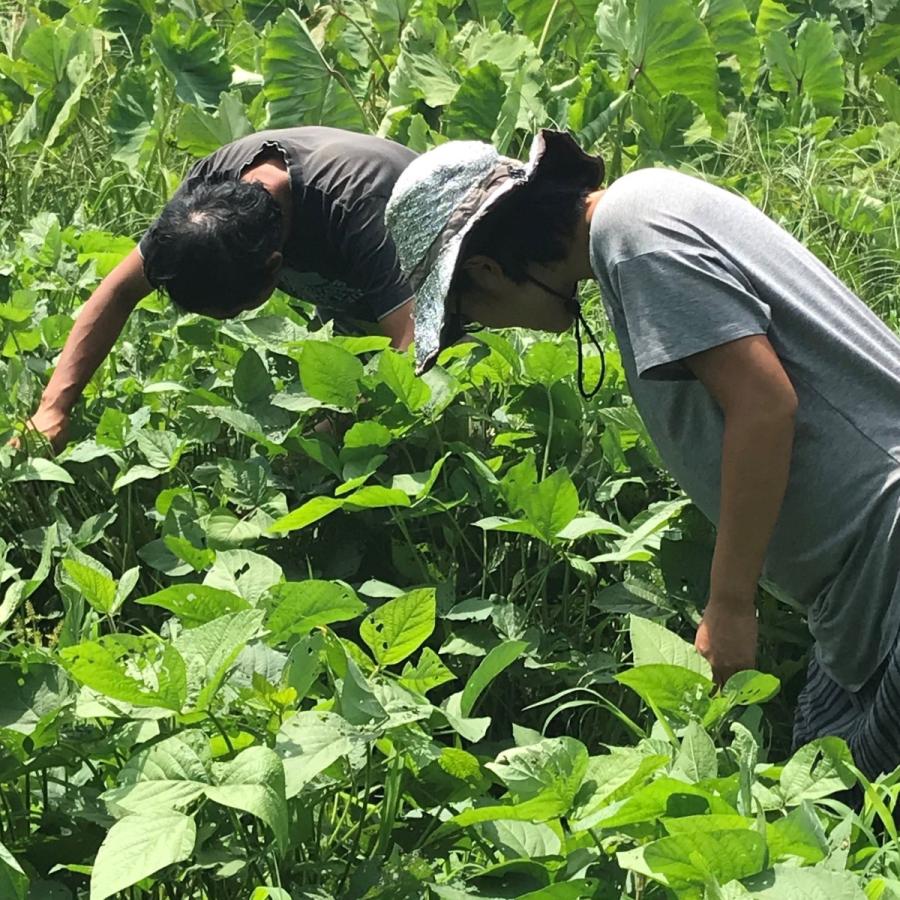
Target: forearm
x: 756, y: 456
x: 96, y: 329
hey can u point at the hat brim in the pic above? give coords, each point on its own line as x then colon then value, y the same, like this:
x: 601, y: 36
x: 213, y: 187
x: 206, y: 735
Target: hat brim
x: 553, y: 153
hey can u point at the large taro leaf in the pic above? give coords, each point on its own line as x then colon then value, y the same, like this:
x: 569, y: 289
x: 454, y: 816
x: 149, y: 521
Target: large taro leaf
x: 666, y: 49
x: 732, y: 32
x: 546, y: 20
x: 194, y: 56
x: 812, y: 66
x: 474, y: 111
x: 883, y: 44
x: 200, y: 132
x: 300, y: 85
x: 139, y: 845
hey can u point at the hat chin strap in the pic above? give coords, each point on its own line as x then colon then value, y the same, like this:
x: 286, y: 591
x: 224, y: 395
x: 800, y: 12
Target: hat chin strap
x: 573, y: 305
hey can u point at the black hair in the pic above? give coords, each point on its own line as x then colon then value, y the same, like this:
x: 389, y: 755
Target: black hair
x: 535, y: 223
x: 208, y: 248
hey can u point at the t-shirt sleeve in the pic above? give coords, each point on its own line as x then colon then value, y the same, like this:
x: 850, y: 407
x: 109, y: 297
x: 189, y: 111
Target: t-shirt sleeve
x: 678, y: 302
x: 371, y: 258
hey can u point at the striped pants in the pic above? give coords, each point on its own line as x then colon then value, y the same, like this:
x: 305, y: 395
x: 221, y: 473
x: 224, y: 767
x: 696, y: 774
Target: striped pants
x: 867, y: 719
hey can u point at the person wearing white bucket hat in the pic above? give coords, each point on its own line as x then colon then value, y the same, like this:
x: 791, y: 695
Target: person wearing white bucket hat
x: 771, y: 391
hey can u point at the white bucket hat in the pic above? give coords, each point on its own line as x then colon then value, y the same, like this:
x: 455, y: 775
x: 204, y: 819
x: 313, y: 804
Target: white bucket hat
x: 440, y: 197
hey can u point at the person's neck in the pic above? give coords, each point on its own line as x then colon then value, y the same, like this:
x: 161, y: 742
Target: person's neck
x: 271, y: 172
x: 577, y: 264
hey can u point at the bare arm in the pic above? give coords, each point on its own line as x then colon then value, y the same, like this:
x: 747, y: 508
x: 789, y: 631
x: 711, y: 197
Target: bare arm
x: 748, y: 382
x: 398, y: 326
x: 96, y: 329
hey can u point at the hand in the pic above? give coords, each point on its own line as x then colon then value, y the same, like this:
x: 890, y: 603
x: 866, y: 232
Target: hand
x: 727, y: 638
x: 52, y: 423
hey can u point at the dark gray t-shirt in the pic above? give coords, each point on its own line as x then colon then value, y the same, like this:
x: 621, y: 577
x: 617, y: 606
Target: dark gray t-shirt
x: 339, y: 254
x: 684, y: 266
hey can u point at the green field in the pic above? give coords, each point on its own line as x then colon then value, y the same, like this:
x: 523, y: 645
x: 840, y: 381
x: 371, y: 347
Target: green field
x: 446, y: 654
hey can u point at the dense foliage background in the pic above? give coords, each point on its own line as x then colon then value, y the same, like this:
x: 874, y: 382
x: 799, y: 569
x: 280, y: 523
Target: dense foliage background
x: 244, y: 658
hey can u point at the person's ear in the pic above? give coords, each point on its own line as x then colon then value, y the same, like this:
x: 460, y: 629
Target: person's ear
x: 484, y: 271
x: 274, y: 263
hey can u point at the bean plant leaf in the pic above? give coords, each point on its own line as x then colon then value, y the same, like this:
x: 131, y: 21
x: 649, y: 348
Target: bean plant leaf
x: 38, y: 469
x: 330, y: 374
x: 547, y: 362
x: 551, y: 504
x: 300, y: 606
x: 13, y: 880
x: 195, y: 604
x: 499, y: 658
x: 254, y: 782
x: 400, y: 626
x: 553, y: 766
x: 429, y: 672
x: 309, y: 742
x: 139, y: 846
x: 653, y: 643
x: 300, y: 85
x: 396, y: 371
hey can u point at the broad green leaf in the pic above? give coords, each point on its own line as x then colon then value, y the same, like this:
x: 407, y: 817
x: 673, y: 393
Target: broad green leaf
x: 137, y: 847
x: 552, y: 767
x: 459, y: 764
x: 472, y: 729
x: 130, y: 121
x: 749, y: 687
x: 499, y: 658
x: 210, y: 650
x: 653, y: 643
x: 812, y: 883
x: 882, y: 44
x: 301, y: 86
x: 773, y: 16
x: 397, y: 628
x: 696, y: 858
x: 664, y: 797
x: 523, y: 840
x: 254, y: 782
x: 696, y: 757
x: 799, y: 833
x: 252, y: 381
x: 474, y: 110
x: 396, y: 371
x: 309, y: 742
x: 306, y: 514
x: 375, y: 496
x: 201, y: 133
x: 225, y: 531
x: 358, y: 703
x: 538, y: 809
x: 545, y: 21
x: 551, y: 504
x: 198, y: 558
x: 193, y: 55
x: 161, y: 449
x: 813, y: 66
x: 169, y: 775
x: 13, y: 881
x: 195, y: 604
x: 732, y: 32
x: 301, y: 606
x: 816, y: 770
x: 429, y: 672
x: 38, y: 469
x: 889, y: 90
x: 547, y: 362
x: 670, y: 689
x: 28, y: 697
x: 329, y: 373
x: 667, y: 49
x: 93, y: 583
x: 304, y: 664
x: 104, y: 249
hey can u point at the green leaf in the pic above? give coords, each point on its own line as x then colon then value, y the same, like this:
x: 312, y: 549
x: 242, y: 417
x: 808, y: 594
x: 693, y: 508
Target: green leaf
x: 551, y: 504
x: 13, y: 881
x: 545, y: 21
x: 201, y: 133
x: 696, y: 757
x: 254, y: 782
x: 330, y: 374
x: 814, y: 883
x: 667, y: 49
x: 813, y: 66
x: 301, y: 606
x: 396, y: 371
x: 816, y: 770
x: 193, y: 55
x: 93, y: 583
x: 498, y: 659
x: 209, y: 651
x: 393, y: 631
x: 304, y: 515
x: 252, y: 381
x: 195, y: 604
x: 671, y: 689
x: 130, y: 121
x: 773, y: 16
x: 553, y: 767
x: 882, y: 45
x: 800, y: 834
x: 653, y: 643
x: 429, y: 672
x: 309, y: 742
x: 749, y: 687
x: 38, y: 469
x: 374, y: 496
x: 732, y: 32
x: 547, y: 362
x: 358, y: 703
x: 198, y: 558
x: 889, y: 90
x: 696, y: 858
x: 474, y: 110
x: 28, y: 697
x: 225, y: 531
x: 524, y: 840
x: 300, y: 85
x: 137, y: 847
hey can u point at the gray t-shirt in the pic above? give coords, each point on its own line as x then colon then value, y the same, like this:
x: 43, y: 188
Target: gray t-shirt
x: 685, y: 266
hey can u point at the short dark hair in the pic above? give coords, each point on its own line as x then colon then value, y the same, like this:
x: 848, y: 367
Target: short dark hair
x: 209, y: 246
x: 535, y: 224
